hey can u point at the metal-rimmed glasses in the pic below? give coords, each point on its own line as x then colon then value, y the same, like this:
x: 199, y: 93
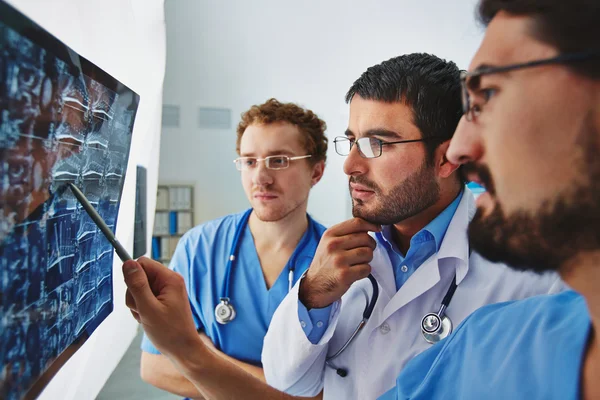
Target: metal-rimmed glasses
x: 470, y: 81
x: 271, y: 162
x: 369, y: 147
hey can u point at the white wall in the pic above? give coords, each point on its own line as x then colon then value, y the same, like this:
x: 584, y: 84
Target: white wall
x: 126, y: 38
x: 237, y: 53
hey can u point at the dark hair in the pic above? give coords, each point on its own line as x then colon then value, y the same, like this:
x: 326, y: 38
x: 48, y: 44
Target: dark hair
x: 426, y: 83
x: 272, y: 111
x: 572, y: 26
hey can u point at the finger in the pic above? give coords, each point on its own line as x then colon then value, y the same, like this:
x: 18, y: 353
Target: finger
x: 129, y: 301
x: 136, y: 279
x: 153, y: 269
x: 352, y: 241
x: 360, y: 255
x: 354, y: 225
x: 356, y: 273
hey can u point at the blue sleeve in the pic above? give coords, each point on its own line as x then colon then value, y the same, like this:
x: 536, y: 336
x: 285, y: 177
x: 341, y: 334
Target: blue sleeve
x: 389, y: 395
x: 414, y: 373
x: 147, y: 346
x: 314, y: 322
x: 181, y: 263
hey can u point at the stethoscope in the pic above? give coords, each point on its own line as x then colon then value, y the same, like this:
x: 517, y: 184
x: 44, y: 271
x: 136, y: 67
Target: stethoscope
x: 434, y: 326
x: 366, y: 315
x: 225, y: 311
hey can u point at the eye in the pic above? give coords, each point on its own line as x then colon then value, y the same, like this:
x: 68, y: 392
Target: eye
x: 249, y: 162
x: 488, y: 93
x: 277, y: 160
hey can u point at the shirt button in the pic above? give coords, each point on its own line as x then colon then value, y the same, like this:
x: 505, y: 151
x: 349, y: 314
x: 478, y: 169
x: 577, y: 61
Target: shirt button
x: 385, y: 328
x: 303, y: 324
x: 319, y: 324
x: 404, y: 268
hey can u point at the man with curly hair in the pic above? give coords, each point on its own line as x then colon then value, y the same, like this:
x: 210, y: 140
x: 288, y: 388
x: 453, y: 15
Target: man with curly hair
x: 238, y: 268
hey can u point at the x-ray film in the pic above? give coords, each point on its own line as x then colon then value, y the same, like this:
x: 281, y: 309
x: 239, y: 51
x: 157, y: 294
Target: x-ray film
x: 62, y: 120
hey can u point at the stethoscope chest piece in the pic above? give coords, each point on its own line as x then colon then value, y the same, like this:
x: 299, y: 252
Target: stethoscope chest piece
x: 435, y: 328
x: 224, y: 311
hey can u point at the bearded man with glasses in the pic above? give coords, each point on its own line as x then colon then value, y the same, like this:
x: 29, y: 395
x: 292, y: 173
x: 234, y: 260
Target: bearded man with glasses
x: 403, y: 113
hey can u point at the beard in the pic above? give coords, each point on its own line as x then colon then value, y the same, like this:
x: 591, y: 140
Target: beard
x: 416, y: 193
x: 558, y: 231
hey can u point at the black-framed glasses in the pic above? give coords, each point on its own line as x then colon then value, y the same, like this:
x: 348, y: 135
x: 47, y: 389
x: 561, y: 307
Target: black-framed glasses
x: 369, y: 147
x: 271, y: 162
x: 471, y: 80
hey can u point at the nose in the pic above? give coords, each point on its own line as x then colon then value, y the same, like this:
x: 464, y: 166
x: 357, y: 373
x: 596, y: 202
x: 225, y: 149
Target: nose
x: 262, y: 176
x: 465, y: 145
x: 355, y: 164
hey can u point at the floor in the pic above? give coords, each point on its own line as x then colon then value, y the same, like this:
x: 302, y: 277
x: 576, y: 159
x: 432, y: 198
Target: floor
x: 125, y: 382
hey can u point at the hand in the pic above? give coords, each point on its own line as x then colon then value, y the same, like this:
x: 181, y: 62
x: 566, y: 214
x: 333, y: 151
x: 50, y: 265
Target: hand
x: 341, y: 259
x: 158, y: 300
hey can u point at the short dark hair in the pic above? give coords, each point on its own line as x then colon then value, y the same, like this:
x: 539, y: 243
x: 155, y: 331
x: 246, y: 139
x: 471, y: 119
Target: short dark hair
x: 426, y: 83
x: 571, y: 26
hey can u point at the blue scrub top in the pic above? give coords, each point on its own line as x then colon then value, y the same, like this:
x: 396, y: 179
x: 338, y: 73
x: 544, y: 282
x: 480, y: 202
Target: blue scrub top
x: 201, y: 257
x: 528, y: 349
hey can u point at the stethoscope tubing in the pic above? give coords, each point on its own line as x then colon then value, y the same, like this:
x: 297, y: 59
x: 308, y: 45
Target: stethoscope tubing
x: 241, y: 226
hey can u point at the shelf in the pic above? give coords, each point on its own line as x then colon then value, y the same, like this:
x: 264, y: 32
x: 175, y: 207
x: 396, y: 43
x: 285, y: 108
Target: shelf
x: 168, y: 216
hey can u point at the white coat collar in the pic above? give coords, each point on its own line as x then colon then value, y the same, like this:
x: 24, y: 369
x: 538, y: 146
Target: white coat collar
x: 456, y: 241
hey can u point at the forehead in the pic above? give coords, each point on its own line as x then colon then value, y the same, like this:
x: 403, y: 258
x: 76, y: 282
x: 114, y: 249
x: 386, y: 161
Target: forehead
x: 368, y: 115
x: 269, y: 139
x: 508, y: 40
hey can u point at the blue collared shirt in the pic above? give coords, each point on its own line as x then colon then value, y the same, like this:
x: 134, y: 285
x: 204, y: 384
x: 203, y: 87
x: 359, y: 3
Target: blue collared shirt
x: 423, y: 245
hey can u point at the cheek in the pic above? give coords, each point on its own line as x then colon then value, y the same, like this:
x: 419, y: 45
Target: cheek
x: 293, y: 181
x: 246, y: 179
x: 394, y: 169
x: 529, y: 153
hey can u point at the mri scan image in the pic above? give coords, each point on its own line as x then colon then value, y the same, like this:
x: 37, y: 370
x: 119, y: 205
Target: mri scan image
x: 62, y: 120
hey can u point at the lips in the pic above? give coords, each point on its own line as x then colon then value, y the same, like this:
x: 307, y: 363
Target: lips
x: 265, y: 196
x: 360, y: 188
x: 361, y: 192
x: 479, y: 174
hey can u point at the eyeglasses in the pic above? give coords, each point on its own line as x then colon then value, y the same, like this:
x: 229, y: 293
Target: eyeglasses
x: 471, y: 80
x: 271, y: 162
x: 369, y: 147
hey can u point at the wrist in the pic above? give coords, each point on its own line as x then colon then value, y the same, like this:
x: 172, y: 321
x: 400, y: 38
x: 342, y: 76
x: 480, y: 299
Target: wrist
x: 304, y: 293
x: 192, y: 358
x: 311, y: 296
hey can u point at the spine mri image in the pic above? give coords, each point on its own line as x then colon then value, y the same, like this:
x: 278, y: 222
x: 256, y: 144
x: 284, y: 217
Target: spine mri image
x: 62, y: 120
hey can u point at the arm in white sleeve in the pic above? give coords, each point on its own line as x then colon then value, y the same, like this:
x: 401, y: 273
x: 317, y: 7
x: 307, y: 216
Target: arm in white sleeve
x: 290, y: 361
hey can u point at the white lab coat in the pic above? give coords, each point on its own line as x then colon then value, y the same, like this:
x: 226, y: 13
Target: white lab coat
x: 392, y: 336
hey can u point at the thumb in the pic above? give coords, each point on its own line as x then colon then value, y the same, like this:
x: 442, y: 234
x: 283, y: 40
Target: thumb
x: 138, y: 285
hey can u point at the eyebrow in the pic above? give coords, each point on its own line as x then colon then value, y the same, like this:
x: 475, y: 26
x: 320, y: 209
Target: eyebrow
x: 474, y: 82
x: 484, y: 66
x: 279, y: 152
x: 385, y: 133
